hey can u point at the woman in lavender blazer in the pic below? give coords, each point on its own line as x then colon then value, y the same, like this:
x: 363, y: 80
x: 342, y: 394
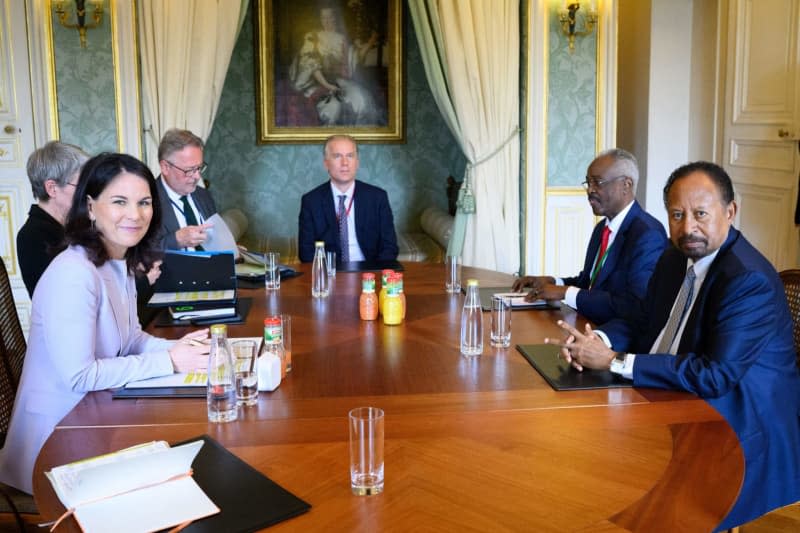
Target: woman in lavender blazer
x: 85, y: 334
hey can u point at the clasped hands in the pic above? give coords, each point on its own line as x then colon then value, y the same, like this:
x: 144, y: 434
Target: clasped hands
x: 542, y: 287
x: 583, y: 350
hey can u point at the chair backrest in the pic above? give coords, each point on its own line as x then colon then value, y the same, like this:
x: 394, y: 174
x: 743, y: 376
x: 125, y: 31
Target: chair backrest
x: 12, y: 351
x: 791, y: 284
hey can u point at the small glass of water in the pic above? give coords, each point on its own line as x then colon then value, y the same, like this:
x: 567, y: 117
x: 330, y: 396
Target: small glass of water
x: 366, y: 451
x: 330, y: 257
x: 500, y: 336
x: 272, y: 270
x: 245, y: 357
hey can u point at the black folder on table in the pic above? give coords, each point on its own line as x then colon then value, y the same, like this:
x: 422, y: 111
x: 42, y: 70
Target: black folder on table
x: 195, y: 277
x: 561, y: 376
x: 242, y: 305
x: 486, y: 294
x: 368, y: 266
x: 248, y: 499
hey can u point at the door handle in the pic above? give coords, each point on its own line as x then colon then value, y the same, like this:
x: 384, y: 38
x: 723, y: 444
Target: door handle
x: 10, y: 129
x: 782, y: 133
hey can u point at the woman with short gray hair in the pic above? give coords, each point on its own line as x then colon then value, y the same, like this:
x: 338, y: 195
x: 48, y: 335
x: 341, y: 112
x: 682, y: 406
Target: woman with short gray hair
x: 53, y: 172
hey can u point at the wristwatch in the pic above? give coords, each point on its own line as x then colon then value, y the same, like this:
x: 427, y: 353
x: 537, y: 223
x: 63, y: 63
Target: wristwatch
x: 618, y: 363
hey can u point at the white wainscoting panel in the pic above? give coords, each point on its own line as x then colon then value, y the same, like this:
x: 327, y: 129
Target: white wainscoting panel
x: 568, y: 226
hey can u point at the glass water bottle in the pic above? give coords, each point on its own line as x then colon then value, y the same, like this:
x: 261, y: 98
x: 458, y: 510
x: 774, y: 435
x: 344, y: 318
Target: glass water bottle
x: 221, y: 386
x: 319, y: 272
x: 472, y: 322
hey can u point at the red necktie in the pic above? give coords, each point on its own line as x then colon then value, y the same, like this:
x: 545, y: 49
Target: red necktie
x: 603, y: 242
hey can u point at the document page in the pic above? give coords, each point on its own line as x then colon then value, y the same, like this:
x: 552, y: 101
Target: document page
x: 219, y: 237
x: 144, y: 488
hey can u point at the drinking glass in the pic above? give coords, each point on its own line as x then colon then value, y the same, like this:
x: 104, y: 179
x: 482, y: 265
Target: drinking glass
x: 452, y: 277
x: 330, y: 257
x: 245, y: 357
x: 366, y: 451
x: 272, y: 271
x: 500, y: 335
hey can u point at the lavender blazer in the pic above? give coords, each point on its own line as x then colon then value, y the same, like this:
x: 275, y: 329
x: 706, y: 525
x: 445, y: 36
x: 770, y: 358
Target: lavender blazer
x: 84, y: 336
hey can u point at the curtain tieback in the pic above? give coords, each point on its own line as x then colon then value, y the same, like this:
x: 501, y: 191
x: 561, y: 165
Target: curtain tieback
x: 466, y: 199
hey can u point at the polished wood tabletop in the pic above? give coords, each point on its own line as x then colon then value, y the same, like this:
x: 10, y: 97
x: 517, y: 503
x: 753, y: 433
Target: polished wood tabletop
x: 474, y: 444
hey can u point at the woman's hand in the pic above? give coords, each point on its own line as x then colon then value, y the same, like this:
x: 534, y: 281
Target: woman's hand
x: 190, y: 352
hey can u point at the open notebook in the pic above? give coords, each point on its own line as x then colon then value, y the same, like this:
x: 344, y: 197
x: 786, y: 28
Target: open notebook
x: 517, y: 299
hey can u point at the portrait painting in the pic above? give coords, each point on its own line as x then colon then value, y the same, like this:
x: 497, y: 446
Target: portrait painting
x: 327, y: 67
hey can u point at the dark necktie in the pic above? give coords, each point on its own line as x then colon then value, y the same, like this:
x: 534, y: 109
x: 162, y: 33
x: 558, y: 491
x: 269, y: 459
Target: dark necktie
x: 678, y: 312
x: 601, y: 253
x: 188, y: 214
x: 344, y: 243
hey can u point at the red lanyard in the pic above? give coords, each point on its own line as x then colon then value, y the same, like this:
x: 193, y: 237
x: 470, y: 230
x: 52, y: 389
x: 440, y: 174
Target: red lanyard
x: 346, y: 211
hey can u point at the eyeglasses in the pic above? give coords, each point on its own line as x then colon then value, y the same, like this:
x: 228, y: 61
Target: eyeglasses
x: 594, y: 183
x: 189, y: 172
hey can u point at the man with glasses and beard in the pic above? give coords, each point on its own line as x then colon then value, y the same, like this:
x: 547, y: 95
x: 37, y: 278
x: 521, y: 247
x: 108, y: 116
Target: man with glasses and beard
x: 622, y: 251
x: 184, y: 206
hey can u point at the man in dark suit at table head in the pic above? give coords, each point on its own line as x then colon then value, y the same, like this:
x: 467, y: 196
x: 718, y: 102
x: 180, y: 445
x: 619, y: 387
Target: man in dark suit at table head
x: 184, y: 205
x: 353, y: 218
x: 622, y: 251
x: 715, y: 323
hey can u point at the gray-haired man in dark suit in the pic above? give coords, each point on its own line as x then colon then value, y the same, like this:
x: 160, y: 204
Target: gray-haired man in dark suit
x: 185, y: 206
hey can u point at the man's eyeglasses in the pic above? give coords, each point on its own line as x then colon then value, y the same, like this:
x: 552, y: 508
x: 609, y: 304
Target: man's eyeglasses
x: 189, y: 172
x: 595, y: 183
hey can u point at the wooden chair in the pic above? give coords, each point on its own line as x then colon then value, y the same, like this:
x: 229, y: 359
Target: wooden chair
x: 12, y: 354
x: 787, y: 517
x: 791, y: 284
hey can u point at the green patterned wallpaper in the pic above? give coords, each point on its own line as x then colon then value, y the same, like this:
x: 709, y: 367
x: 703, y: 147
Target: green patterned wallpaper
x: 85, y: 86
x: 571, y: 105
x: 267, y: 181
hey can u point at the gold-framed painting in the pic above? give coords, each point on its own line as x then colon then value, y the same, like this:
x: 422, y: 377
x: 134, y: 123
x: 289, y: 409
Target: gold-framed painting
x: 332, y: 67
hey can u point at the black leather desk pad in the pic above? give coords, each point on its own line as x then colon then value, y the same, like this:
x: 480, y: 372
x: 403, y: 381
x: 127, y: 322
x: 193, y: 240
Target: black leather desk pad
x: 486, y: 293
x: 561, y: 376
x: 248, y: 499
x: 164, y: 319
x: 158, y: 392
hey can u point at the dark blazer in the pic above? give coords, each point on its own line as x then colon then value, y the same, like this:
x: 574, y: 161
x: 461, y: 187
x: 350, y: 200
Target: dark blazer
x: 373, y: 216
x: 622, y: 281
x: 736, y: 352
x: 36, y: 243
x: 169, y: 222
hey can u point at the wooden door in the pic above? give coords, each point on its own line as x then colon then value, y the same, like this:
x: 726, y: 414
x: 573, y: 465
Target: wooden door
x: 16, y: 141
x: 762, y: 122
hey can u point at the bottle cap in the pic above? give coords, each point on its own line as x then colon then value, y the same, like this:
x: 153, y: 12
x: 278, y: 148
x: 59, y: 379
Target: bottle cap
x: 472, y: 282
x: 368, y: 275
x: 219, y: 329
x: 319, y: 243
x: 272, y: 320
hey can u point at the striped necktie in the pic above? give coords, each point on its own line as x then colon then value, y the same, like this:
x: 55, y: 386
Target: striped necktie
x: 344, y: 243
x: 678, y: 312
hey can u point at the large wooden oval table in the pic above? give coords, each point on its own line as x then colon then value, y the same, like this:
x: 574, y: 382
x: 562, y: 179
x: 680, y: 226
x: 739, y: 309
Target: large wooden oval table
x: 480, y: 444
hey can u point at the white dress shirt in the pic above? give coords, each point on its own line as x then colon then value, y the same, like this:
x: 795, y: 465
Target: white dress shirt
x: 701, y: 268
x: 177, y: 207
x: 355, y: 250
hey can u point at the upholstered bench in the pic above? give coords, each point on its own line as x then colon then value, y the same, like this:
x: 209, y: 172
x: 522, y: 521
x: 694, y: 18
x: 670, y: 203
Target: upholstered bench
x: 428, y: 245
